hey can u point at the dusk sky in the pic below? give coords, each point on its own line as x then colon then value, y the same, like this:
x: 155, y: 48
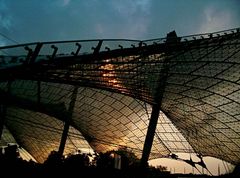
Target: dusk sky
x: 46, y: 20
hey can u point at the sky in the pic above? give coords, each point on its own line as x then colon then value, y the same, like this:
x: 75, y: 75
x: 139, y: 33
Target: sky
x: 25, y: 21
x: 52, y: 20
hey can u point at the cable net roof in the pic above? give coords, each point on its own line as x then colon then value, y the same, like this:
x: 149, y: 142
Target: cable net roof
x: 106, y: 89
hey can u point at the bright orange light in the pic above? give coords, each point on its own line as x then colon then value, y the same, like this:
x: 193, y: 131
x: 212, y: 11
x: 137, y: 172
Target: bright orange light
x: 108, y: 75
x: 113, y: 81
x: 107, y: 67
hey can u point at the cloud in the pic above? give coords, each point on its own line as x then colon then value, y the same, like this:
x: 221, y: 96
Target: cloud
x: 5, y: 23
x: 131, y: 8
x: 131, y: 18
x: 65, y: 2
x: 99, y: 29
x: 215, y: 19
x: 2, y: 43
x: 5, y: 20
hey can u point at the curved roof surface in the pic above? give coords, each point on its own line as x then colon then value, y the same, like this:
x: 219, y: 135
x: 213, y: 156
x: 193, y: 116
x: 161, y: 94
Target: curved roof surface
x: 106, y: 89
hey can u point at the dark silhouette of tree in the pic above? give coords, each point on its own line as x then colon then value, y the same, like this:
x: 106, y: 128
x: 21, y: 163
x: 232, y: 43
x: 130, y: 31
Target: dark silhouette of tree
x: 105, y: 160
x: 128, y: 158
x: 78, y: 160
x: 11, y: 152
x: 236, y: 170
x: 54, y: 160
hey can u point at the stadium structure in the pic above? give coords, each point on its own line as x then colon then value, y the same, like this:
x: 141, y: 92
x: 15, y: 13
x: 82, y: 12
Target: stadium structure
x: 155, y: 97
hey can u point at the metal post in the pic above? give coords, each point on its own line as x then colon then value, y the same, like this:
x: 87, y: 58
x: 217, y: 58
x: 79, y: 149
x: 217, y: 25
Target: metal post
x: 64, y: 138
x: 170, y: 44
x: 154, y: 115
x: 67, y: 122
x: 150, y: 134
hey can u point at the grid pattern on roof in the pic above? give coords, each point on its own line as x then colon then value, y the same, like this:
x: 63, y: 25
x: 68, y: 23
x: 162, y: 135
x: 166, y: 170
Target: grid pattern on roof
x: 110, y: 120
x: 200, y: 96
x: 171, y: 137
x: 37, y: 133
x: 40, y: 134
x: 6, y: 138
x: 76, y: 142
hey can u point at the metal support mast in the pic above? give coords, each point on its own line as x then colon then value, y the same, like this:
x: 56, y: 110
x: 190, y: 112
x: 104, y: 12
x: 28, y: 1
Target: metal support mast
x: 67, y: 121
x: 171, y: 42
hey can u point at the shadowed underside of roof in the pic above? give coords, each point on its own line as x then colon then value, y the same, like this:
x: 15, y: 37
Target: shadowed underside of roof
x: 106, y: 89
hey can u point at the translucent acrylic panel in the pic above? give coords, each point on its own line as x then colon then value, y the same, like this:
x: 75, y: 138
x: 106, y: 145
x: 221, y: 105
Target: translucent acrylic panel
x: 185, y: 68
x: 217, y: 124
x: 229, y: 133
x: 38, y: 133
x: 179, y: 79
x: 25, y: 89
x: 234, y: 126
x: 76, y: 142
x: 235, y: 96
x: 212, y: 69
x: 6, y: 138
x: 224, y: 88
x: 25, y: 155
x: 231, y: 74
x: 224, y: 117
x: 203, y: 82
x: 56, y: 93
x: 232, y: 146
x: 216, y: 100
x: 231, y: 108
x: 170, y: 136
x: 196, y: 93
x: 110, y: 118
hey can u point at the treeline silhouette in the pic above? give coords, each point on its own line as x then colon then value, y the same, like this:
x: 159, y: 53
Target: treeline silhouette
x: 80, y: 165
